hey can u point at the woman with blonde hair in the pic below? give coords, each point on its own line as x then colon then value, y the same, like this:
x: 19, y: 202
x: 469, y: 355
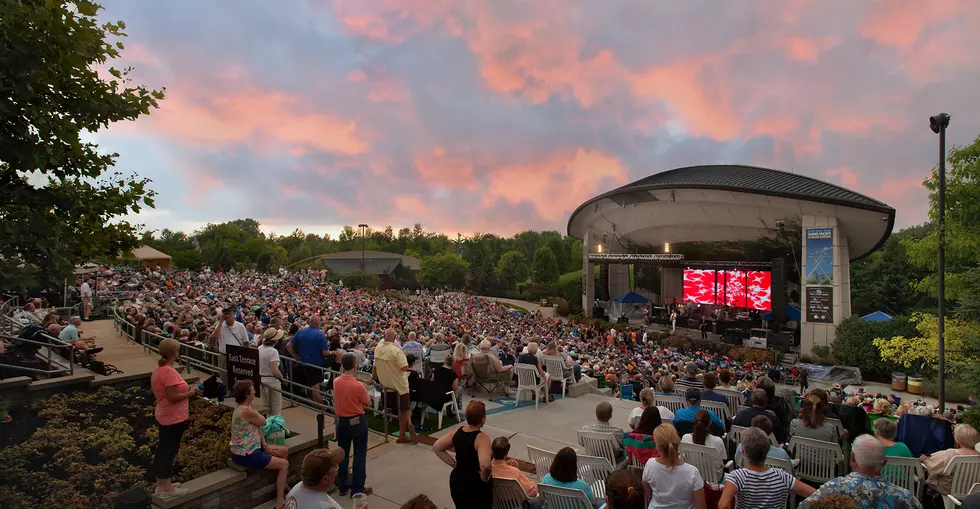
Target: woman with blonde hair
x: 966, y: 438
x: 665, y: 386
x: 668, y: 482
x: 171, y: 413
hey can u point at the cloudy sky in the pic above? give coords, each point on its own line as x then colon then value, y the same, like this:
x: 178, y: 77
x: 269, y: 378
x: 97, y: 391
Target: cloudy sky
x: 504, y: 115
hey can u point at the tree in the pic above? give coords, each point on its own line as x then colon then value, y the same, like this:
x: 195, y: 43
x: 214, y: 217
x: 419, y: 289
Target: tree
x: 962, y: 342
x: 885, y: 280
x: 962, y: 235
x: 59, y: 205
x: 301, y: 253
x: 544, y: 268
x: 186, y: 259
x: 513, y: 267
x: 443, y: 269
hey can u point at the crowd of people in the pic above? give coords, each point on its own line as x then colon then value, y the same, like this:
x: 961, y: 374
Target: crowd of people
x: 318, y: 324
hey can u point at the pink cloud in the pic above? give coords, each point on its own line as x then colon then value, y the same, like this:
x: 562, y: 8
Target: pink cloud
x: 900, y: 23
x: 441, y: 169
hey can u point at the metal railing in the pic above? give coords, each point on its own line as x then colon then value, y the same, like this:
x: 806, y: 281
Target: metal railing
x: 10, y: 327
x: 205, y: 360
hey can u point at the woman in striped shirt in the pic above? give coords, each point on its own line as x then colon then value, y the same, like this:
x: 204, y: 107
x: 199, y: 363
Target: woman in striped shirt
x: 758, y: 486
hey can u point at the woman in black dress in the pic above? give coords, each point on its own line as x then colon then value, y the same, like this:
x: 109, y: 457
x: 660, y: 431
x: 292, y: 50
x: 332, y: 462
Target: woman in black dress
x: 469, y: 484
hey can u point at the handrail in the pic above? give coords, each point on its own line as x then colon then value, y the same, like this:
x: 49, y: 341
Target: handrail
x: 13, y: 325
x: 189, y: 361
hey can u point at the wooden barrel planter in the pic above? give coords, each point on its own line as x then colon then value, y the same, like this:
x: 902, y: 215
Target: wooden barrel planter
x: 915, y: 385
x: 899, y: 382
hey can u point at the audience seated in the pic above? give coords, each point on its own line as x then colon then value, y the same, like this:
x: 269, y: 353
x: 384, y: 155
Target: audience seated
x: 506, y: 468
x: 757, y: 486
x: 758, y: 400
x: 624, y: 490
x: 966, y: 439
x: 668, y: 481
x: 603, y: 414
x: 639, y: 443
x: 763, y: 423
x: 685, y: 417
x: 564, y: 474
x: 710, y: 381
x: 865, y: 484
x: 646, y: 401
x: 812, y: 422
x: 701, y: 436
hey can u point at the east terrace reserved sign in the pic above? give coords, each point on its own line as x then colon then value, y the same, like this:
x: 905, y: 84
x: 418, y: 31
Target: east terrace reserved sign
x: 243, y: 364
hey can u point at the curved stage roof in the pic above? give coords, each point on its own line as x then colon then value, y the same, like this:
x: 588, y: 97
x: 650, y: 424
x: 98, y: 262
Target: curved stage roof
x: 728, y: 203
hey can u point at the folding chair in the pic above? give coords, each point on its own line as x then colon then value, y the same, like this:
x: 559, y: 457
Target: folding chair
x: 508, y: 494
x: 602, y: 445
x: 487, y: 378
x: 819, y: 461
x: 527, y: 380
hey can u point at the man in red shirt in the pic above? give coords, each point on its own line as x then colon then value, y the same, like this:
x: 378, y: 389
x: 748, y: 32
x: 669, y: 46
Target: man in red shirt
x: 350, y: 398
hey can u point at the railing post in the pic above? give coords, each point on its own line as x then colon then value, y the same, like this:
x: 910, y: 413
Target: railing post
x: 319, y: 429
x: 384, y: 410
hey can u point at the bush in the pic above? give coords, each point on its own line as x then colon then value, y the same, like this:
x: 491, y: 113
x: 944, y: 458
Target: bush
x: 972, y: 417
x: 681, y: 342
x: 823, y: 354
x: 757, y: 355
x: 358, y: 279
x: 854, y: 345
x: 957, y: 391
x: 540, y: 291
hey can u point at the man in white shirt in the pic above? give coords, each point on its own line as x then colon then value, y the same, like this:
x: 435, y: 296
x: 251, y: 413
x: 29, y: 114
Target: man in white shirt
x: 86, y: 292
x: 228, y: 332
x: 319, y: 472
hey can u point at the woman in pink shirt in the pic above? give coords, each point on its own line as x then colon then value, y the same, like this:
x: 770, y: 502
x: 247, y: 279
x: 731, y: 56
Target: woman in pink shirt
x: 172, y: 393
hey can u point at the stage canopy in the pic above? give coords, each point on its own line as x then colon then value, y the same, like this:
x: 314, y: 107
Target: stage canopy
x: 726, y: 203
x: 631, y: 298
x: 877, y: 316
x: 630, y: 303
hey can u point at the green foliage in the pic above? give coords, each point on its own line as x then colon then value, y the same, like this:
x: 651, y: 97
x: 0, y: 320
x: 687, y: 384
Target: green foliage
x: 570, y: 276
x: 544, y: 268
x: 962, y: 235
x: 91, y: 446
x: 359, y: 279
x: 513, y: 267
x: 539, y: 291
x: 68, y: 210
x: 823, y: 354
x: 854, y: 345
x: 885, y: 280
x: 921, y: 352
x: 972, y: 416
x: 443, y: 270
x: 188, y: 259
x: 957, y: 389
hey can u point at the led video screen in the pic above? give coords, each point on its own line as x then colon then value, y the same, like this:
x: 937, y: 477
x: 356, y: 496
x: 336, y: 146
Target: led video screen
x: 699, y: 286
x: 758, y: 290
x: 734, y: 295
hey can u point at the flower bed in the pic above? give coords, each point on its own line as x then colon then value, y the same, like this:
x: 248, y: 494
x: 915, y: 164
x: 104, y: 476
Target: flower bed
x: 80, y: 450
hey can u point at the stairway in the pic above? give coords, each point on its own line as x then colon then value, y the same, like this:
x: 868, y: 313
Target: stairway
x: 789, y: 360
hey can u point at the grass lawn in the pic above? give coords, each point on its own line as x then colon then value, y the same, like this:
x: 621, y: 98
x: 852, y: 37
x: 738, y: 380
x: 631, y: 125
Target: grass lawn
x: 571, y: 276
x: 514, y: 307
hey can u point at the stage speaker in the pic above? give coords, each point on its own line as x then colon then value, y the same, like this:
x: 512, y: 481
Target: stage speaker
x: 598, y: 312
x: 778, y: 292
x: 602, y: 291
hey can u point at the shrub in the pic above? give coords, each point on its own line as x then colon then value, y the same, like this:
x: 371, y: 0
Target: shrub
x: 681, y: 342
x: 757, y: 355
x: 854, y: 345
x: 823, y: 354
x: 972, y: 417
x: 957, y: 391
x: 540, y: 291
x: 358, y: 279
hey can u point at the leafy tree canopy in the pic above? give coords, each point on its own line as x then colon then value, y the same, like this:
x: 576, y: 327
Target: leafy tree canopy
x: 544, y: 268
x: 60, y: 203
x: 513, y: 267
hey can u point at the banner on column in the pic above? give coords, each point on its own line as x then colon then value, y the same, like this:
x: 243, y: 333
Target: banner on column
x: 243, y: 364
x: 819, y: 278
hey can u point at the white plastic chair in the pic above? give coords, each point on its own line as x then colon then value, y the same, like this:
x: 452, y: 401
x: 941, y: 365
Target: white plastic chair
x: 563, y: 498
x: 672, y: 403
x: 819, y: 461
x: 719, y: 409
x: 839, y: 425
x: 600, y: 444
x: 449, y: 405
x: 594, y: 470
x: 907, y: 473
x: 542, y: 461
x: 705, y: 459
x: 734, y: 398
x: 964, y: 473
x: 508, y: 494
x: 559, y: 373
x: 735, y: 436
x: 527, y: 380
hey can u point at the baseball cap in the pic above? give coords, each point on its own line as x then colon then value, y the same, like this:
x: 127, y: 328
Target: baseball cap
x: 318, y: 463
x: 692, y: 395
x: 691, y: 367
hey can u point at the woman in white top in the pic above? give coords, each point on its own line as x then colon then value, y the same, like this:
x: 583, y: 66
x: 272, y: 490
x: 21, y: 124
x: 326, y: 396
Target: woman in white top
x: 269, y: 371
x: 702, y: 436
x: 668, y: 482
x: 646, y: 400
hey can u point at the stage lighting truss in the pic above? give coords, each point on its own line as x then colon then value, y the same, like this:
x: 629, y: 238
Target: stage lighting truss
x: 635, y: 258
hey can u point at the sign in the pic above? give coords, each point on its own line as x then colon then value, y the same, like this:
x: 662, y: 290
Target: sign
x: 243, y: 364
x: 820, y: 304
x: 820, y: 257
x: 596, y: 257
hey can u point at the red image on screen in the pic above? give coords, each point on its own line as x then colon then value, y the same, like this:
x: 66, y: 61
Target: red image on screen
x: 758, y: 291
x: 699, y: 286
x: 735, y: 288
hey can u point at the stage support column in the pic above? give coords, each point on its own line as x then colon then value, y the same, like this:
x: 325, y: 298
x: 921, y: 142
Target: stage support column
x: 825, y: 289
x: 588, y: 277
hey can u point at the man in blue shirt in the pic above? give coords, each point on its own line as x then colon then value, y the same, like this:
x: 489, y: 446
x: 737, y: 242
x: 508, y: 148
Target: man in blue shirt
x: 710, y: 381
x: 684, y: 418
x: 309, y: 346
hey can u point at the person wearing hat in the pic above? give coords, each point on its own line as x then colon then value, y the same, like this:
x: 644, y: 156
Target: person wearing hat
x: 269, y: 371
x: 685, y: 417
x: 319, y: 471
x: 689, y: 380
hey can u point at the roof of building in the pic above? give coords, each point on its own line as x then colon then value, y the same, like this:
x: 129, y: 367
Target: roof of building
x: 728, y: 202
x: 148, y: 253
x: 380, y: 261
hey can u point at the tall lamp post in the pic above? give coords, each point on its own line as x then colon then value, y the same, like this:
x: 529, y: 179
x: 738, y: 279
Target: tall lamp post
x: 363, y: 228
x: 938, y: 124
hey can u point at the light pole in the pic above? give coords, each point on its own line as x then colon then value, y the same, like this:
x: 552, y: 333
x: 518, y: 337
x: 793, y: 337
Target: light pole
x: 938, y: 124
x: 363, y: 228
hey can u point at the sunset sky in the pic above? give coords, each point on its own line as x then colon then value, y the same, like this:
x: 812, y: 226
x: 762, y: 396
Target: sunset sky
x: 504, y: 115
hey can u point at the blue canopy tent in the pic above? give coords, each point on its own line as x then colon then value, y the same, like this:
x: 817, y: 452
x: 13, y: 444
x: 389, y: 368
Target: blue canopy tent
x: 630, y: 303
x: 792, y: 314
x: 877, y: 316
